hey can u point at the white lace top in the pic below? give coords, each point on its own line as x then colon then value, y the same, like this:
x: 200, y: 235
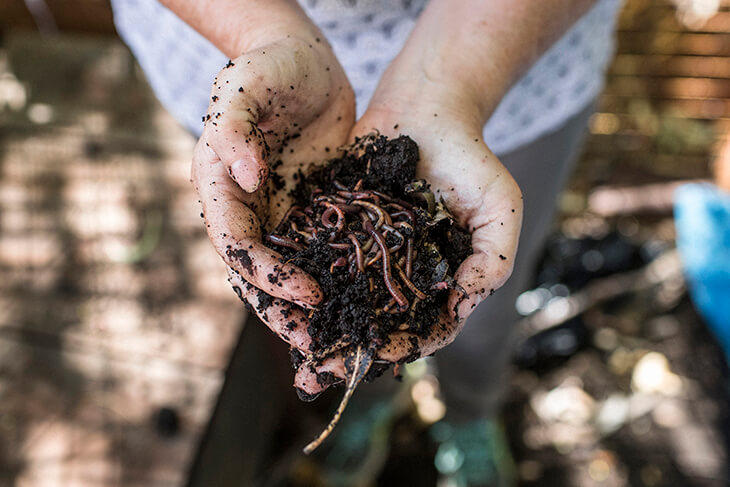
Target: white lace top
x: 366, y: 35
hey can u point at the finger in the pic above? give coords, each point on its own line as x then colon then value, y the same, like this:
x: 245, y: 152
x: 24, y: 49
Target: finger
x: 237, y: 140
x: 495, y: 235
x: 231, y: 125
x: 311, y: 380
x: 235, y: 232
x: 404, y: 347
x: 289, y: 323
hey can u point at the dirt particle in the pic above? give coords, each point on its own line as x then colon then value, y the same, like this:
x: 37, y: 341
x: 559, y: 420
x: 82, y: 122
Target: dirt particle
x: 242, y: 256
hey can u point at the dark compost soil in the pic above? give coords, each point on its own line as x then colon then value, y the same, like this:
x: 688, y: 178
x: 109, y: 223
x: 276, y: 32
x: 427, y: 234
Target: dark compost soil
x: 381, y: 247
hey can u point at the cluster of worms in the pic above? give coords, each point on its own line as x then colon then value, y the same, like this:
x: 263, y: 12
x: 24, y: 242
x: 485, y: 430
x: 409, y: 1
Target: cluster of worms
x: 372, y: 228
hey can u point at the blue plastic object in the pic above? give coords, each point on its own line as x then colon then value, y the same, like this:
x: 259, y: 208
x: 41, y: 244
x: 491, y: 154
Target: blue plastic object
x: 702, y: 215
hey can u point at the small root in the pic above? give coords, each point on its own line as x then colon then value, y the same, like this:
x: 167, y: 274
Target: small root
x: 359, y: 364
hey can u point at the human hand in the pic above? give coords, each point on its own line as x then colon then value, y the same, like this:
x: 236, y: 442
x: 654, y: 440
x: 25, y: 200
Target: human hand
x: 478, y: 191
x: 273, y: 110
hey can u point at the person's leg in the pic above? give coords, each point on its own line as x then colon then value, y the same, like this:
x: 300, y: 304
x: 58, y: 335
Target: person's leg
x: 473, y: 370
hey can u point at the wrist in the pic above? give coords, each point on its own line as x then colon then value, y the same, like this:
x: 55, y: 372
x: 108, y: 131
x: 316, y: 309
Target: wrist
x: 270, y: 24
x: 448, y: 60
x: 238, y: 26
x: 472, y: 51
x: 413, y: 95
x: 430, y: 77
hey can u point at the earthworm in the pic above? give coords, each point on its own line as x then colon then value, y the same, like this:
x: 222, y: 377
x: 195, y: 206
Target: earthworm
x: 368, y: 245
x: 340, y: 262
x: 349, y: 208
x: 358, y: 252
x: 403, y: 204
x: 331, y: 208
x: 380, y: 195
x: 321, y: 198
x: 409, y: 284
x: 302, y: 214
x: 307, y: 235
x: 409, y: 258
x: 284, y: 242
x: 392, y: 286
x: 382, y: 215
x: 286, y: 218
x: 374, y: 259
x: 401, y: 238
x: 359, y: 195
x: 405, y: 225
x: 339, y: 199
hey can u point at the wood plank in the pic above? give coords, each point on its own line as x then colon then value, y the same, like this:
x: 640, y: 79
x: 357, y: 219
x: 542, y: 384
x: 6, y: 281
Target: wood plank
x: 665, y: 20
x: 664, y: 17
x: 650, y: 121
x: 87, y: 16
x: 674, y: 43
x: 708, y: 108
x: 656, y: 66
x: 668, y: 87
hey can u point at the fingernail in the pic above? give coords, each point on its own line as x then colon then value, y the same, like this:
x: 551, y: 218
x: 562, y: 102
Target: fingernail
x: 311, y: 302
x: 248, y: 174
x: 238, y: 171
x: 303, y: 304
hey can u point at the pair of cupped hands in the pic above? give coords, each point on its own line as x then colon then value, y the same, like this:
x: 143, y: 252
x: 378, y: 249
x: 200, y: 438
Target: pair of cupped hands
x: 290, y: 101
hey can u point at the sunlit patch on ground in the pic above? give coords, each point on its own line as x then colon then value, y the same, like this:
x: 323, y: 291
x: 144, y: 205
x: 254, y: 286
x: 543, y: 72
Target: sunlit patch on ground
x: 112, y: 303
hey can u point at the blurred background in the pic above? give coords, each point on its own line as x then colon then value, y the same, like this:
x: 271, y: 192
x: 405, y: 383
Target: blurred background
x: 124, y: 359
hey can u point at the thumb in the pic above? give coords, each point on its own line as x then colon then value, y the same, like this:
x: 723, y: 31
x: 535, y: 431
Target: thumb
x: 495, y: 235
x: 259, y: 102
x: 241, y: 146
x: 232, y: 131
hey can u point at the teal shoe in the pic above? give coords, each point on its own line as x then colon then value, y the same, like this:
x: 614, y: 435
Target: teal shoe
x: 474, y: 454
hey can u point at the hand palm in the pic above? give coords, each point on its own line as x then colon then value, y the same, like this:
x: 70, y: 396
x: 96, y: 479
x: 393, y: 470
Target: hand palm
x: 482, y: 196
x: 272, y: 110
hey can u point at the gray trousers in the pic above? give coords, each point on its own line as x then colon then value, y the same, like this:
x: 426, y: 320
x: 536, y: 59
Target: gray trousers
x: 474, y: 370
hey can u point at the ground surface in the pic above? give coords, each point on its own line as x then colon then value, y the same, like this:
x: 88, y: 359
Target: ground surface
x: 113, y: 305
